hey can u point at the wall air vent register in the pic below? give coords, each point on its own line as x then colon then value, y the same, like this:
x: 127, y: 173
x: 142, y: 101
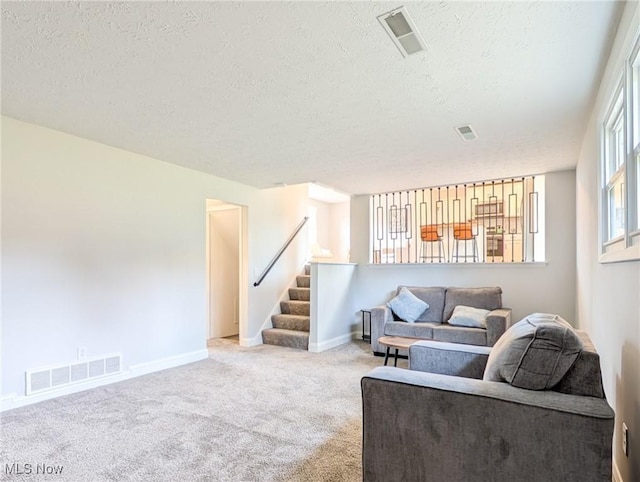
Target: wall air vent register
x: 58, y: 376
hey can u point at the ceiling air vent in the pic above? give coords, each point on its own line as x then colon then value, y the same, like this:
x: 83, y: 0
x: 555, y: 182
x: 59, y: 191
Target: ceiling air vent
x: 466, y: 132
x: 402, y: 31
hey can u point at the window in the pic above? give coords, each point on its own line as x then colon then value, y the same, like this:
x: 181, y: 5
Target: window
x: 620, y: 166
x: 614, y: 167
x: 635, y: 116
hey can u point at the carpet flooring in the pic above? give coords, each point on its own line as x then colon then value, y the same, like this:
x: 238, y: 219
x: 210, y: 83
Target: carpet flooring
x: 264, y: 413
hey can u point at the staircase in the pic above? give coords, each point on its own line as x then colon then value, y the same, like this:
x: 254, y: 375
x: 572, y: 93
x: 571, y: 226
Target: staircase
x: 291, y: 327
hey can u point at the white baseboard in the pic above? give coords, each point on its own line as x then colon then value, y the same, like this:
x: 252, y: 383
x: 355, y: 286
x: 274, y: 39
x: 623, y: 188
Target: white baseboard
x: 168, y: 362
x: 13, y: 400
x: 333, y: 342
x: 617, y: 477
x: 255, y: 341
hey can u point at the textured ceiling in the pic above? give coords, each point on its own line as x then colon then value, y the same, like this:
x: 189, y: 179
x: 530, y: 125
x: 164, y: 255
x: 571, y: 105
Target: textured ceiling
x: 271, y: 92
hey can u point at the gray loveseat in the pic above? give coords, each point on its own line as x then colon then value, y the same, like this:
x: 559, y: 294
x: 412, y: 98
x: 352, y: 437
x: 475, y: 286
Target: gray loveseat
x: 432, y: 324
x: 441, y: 421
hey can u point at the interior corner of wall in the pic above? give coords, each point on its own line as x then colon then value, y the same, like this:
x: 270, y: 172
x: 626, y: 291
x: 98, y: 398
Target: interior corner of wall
x: 254, y: 341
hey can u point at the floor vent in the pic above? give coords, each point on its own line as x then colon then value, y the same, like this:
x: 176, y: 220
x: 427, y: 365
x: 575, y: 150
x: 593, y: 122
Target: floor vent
x: 58, y: 376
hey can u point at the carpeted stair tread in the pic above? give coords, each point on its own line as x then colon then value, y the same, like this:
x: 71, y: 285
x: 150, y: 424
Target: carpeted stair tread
x: 295, y: 307
x: 291, y: 322
x: 291, y: 327
x: 289, y: 338
x: 303, y: 281
x: 301, y: 294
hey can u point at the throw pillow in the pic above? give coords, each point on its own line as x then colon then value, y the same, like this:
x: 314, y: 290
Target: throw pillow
x: 407, y: 306
x: 535, y: 353
x: 469, y: 316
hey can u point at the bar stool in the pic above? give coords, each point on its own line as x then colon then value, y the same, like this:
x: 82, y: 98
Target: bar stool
x: 463, y: 232
x: 429, y: 234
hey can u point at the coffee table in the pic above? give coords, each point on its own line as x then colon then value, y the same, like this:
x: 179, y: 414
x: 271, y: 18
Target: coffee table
x: 397, y: 342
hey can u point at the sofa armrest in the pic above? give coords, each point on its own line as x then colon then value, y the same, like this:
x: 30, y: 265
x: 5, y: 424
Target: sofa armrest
x: 497, y: 323
x: 449, y: 358
x: 379, y: 316
x: 425, y: 426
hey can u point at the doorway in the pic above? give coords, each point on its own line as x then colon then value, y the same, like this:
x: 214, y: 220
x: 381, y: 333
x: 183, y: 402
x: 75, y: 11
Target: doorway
x: 224, y: 268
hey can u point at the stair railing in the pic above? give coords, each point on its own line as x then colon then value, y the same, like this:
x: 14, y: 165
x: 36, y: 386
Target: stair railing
x: 282, y: 250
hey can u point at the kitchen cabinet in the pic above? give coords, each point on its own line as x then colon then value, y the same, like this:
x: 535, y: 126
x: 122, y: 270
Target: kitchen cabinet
x: 513, y: 248
x: 490, y: 210
x: 494, y: 245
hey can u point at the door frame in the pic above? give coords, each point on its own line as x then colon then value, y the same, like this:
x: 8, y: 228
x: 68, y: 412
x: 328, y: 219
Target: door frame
x: 213, y: 205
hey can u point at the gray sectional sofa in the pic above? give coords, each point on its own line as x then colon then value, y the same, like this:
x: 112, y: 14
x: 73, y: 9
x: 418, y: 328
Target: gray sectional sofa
x: 450, y: 420
x: 432, y: 324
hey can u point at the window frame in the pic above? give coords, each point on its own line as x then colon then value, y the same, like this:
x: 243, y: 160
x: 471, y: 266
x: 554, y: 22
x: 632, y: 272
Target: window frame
x: 624, y: 102
x: 633, y: 161
x: 613, y: 162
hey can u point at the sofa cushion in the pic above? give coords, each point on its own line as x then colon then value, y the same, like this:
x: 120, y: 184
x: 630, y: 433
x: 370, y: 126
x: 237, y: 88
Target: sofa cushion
x: 535, y: 353
x: 469, y: 316
x: 460, y: 334
x: 410, y: 330
x: 407, y: 306
x: 485, y: 298
x: 434, y: 297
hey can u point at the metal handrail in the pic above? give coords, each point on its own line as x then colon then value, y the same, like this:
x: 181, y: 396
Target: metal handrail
x: 279, y: 253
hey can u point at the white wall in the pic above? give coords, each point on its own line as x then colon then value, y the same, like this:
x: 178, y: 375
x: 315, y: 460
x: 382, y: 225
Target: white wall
x: 280, y: 211
x: 332, y: 305
x: 105, y: 248
x: 339, y: 221
x: 608, y: 295
x: 323, y: 229
x: 526, y: 288
x: 332, y: 222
